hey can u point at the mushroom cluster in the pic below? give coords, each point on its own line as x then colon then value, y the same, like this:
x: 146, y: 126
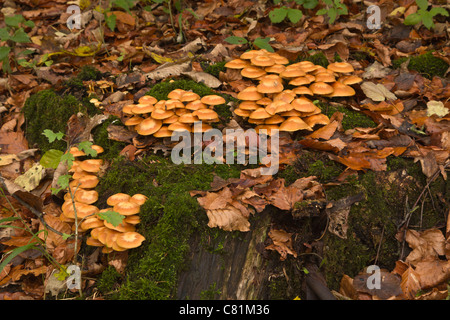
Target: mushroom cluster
x: 103, y: 234
x: 179, y: 112
x: 280, y: 99
x: 123, y: 236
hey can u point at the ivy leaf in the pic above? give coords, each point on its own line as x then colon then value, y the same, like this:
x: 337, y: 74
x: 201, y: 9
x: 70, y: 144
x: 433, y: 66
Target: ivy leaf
x: 263, y: 43
x: 112, y: 217
x: 52, y: 136
x: 51, y: 158
x: 277, y: 15
x: 295, y: 15
x: 236, y: 40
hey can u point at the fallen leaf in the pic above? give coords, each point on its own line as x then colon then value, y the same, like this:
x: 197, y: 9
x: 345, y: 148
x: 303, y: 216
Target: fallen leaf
x: 377, y: 92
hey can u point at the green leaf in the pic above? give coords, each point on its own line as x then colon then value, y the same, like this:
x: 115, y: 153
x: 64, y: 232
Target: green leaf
x: 310, y: 4
x: 29, y: 24
x: 4, y: 53
x: 63, y: 180
x: 328, y: 2
x: 20, y: 36
x: 263, y: 43
x: 52, y: 136
x: 427, y: 19
x: 295, y: 15
x: 15, y: 253
x: 24, y: 52
x: 124, y: 4
x: 13, y: 21
x: 68, y: 158
x: 4, y: 34
x: 112, y: 217
x: 332, y: 14
x: 321, y: 12
x: 439, y: 10
x: 423, y: 4
x: 111, y: 21
x: 277, y: 15
x: 412, y: 19
x: 86, y: 147
x: 51, y: 158
x: 236, y: 40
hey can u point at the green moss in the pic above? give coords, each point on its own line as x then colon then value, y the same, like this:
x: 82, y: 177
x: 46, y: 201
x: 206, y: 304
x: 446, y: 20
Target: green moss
x: 162, y: 89
x: 100, y: 136
x: 109, y: 280
x: 86, y: 73
x: 318, y: 59
x: 214, y: 69
x: 168, y: 218
x: 352, y: 118
x: 48, y: 110
x: 426, y: 64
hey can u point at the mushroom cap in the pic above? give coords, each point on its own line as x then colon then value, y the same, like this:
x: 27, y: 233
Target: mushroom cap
x: 302, y: 90
x: 91, y: 223
x: 134, y: 219
x: 248, y: 105
x: 178, y: 126
x: 96, y: 231
x: 163, y: 132
x: 201, y: 127
x: 173, y: 104
x: 206, y: 114
x: 242, y: 113
x: 76, y: 152
x: 127, y: 109
x: 276, y: 68
x: 149, y: 126
x: 278, y: 106
x: 133, y: 121
x: 188, y: 118
x: 350, y: 79
x: 126, y: 208
x: 116, y: 198
x: 252, y: 72
x: 275, y: 119
x: 121, y: 227
x: 91, y: 165
x: 195, y: 105
x: 212, y: 100
x: 250, y: 93
x: 292, y: 71
x: 147, y: 100
x: 294, y: 124
x: 278, y: 59
x: 175, y: 94
x: 139, y: 198
x: 179, y: 112
x: 268, y: 129
x: 264, y: 101
x: 189, y: 96
x: 316, y: 119
x: 259, y: 114
x: 299, y: 81
x: 262, y: 61
x: 110, y: 239
x: 129, y: 240
x: 83, y: 210
x: 88, y: 181
x: 170, y: 120
x: 303, y: 104
x: 93, y: 242
x: 86, y: 196
x: 270, y: 84
x: 237, y: 64
x: 341, y: 90
x: 250, y: 54
x: 325, y: 77
x: 286, y: 96
x: 142, y: 108
x: 321, y: 88
x: 98, y: 148
x: 340, y: 67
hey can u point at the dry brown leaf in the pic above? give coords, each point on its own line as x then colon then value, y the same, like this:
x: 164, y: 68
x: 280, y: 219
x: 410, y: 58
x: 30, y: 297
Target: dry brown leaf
x: 410, y: 283
x: 282, y: 243
x: 228, y: 219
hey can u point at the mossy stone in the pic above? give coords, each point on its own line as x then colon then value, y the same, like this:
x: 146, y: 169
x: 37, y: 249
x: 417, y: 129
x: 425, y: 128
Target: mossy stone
x: 426, y: 64
x: 111, y: 148
x: 49, y: 110
x: 352, y: 118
